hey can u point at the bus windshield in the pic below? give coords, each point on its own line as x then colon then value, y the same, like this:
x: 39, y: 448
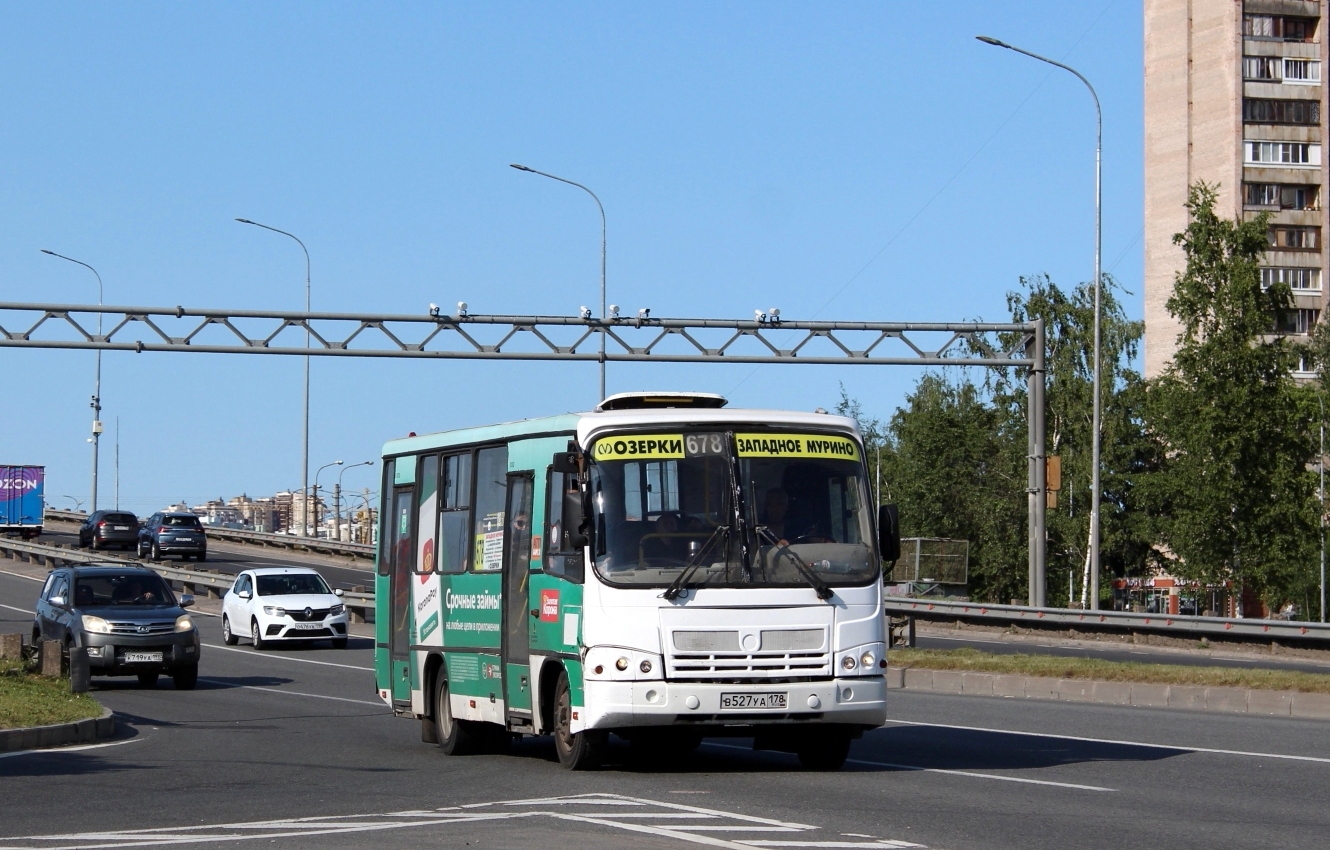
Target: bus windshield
x: 727, y: 509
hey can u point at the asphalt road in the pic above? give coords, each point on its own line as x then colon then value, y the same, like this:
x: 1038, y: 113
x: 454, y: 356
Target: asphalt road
x: 1113, y: 650
x: 231, y: 558
x: 291, y: 748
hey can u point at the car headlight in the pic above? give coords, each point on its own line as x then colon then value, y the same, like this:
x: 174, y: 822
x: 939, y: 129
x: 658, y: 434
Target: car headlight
x: 183, y: 623
x: 96, y: 625
x: 336, y: 609
x: 274, y: 611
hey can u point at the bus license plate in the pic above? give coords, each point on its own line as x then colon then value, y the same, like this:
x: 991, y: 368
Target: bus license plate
x: 142, y: 657
x: 775, y: 700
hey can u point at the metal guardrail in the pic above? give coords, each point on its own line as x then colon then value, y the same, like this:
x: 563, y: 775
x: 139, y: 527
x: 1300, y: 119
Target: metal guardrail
x: 198, y: 582
x: 1179, y: 625
x: 258, y: 538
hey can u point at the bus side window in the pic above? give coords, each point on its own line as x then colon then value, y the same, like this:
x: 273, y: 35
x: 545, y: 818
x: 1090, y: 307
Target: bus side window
x: 563, y: 511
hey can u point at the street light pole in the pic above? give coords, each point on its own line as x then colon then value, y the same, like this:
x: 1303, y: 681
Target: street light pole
x: 337, y: 497
x: 97, y: 383
x: 304, y: 457
x: 1320, y: 397
x: 315, y: 507
x: 603, y: 311
x: 1098, y: 249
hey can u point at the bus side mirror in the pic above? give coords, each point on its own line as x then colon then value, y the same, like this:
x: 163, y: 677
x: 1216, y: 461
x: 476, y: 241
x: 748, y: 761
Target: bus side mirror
x: 889, y: 532
x: 566, y: 462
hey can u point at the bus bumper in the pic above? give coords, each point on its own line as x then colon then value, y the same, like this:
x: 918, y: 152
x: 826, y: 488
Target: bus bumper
x: 617, y: 705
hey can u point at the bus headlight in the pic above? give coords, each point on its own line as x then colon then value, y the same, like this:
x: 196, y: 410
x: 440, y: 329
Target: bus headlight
x: 868, y: 659
x: 847, y: 662
x: 621, y: 664
x: 645, y: 666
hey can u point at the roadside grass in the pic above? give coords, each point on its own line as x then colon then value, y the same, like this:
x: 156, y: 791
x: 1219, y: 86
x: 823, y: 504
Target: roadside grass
x: 1058, y: 667
x: 27, y: 699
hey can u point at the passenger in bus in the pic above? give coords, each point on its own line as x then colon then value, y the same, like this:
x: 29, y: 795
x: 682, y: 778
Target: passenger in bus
x: 775, y: 507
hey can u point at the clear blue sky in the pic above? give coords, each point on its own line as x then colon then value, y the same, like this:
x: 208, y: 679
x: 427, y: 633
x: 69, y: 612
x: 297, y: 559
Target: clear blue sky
x: 851, y: 160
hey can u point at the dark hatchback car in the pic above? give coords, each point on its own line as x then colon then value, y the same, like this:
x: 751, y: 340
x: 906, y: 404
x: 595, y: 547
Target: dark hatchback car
x: 128, y: 620
x: 172, y: 533
x: 109, y: 529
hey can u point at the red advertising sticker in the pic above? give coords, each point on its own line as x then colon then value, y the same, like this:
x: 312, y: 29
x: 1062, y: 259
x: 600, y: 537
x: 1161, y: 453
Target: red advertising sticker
x: 549, y: 606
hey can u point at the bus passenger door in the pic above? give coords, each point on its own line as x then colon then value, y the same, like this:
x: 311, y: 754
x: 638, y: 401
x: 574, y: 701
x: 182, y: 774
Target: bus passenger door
x: 516, y: 599
x: 402, y: 553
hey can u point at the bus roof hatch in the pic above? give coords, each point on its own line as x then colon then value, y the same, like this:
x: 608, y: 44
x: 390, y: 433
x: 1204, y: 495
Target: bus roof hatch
x: 649, y: 401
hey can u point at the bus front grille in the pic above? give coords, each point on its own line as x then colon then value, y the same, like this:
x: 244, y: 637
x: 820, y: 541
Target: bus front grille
x: 739, y: 666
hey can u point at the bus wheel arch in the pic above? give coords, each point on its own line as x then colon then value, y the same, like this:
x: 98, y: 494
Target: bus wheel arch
x: 547, y: 683
x: 429, y: 681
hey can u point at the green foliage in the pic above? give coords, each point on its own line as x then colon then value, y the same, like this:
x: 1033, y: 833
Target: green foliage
x: 1233, y: 499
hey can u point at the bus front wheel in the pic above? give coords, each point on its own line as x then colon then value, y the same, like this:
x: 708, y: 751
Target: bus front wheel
x: 825, y: 751
x: 455, y: 737
x: 576, y: 750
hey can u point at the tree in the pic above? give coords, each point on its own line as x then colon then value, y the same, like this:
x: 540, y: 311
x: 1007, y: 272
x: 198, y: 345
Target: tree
x: 1233, y: 495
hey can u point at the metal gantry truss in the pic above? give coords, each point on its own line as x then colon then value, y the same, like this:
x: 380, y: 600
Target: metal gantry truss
x: 641, y: 338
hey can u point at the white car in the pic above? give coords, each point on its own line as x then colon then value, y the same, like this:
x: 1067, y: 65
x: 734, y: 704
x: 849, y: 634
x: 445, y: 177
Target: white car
x: 283, y: 603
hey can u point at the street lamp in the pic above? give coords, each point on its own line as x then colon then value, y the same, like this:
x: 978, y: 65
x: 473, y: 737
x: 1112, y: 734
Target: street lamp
x: 315, y: 507
x: 78, y: 504
x: 337, y: 497
x: 304, y: 458
x: 97, y: 383
x: 1098, y: 246
x: 601, y: 207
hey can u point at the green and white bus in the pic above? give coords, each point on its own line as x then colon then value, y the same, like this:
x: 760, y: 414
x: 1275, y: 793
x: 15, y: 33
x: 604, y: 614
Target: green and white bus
x: 662, y: 568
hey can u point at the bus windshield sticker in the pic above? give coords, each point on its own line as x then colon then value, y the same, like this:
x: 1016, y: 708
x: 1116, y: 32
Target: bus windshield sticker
x: 640, y: 447
x: 796, y: 445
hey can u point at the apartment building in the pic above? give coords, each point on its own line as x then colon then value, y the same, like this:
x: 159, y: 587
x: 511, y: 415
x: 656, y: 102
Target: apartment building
x: 1234, y: 97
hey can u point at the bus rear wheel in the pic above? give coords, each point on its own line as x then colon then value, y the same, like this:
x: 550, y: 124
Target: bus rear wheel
x: 576, y: 750
x: 455, y: 737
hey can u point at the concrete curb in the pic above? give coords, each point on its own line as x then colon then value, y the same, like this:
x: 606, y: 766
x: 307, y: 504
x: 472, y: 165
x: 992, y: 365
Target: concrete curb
x: 59, y: 734
x: 1186, y: 697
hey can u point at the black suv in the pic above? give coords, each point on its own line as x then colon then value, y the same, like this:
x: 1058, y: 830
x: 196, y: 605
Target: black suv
x: 105, y: 529
x: 127, y: 619
x: 172, y: 533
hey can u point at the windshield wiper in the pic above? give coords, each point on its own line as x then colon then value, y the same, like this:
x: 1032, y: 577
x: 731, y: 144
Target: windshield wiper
x: 820, y: 586
x: 694, y: 562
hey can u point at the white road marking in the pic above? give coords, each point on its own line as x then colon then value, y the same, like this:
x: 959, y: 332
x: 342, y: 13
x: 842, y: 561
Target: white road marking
x: 59, y: 750
x: 20, y: 575
x: 971, y: 774
x: 301, y: 829
x: 975, y: 775
x: 1145, y: 744
x: 285, y: 657
x: 229, y: 686
x: 20, y: 610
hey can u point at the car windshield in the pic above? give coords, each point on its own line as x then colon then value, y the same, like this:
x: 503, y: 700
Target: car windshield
x: 291, y: 585
x: 122, y: 589
x: 181, y: 521
x: 665, y: 512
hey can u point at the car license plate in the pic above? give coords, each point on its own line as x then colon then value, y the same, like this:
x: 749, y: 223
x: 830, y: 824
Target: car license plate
x: 306, y: 627
x: 143, y: 658
x: 122, y: 528
x: 772, y: 700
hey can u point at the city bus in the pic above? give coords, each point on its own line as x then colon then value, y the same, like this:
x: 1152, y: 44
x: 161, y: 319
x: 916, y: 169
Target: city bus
x: 662, y: 569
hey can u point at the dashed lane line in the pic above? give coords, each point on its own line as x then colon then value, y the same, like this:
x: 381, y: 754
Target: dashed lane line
x: 60, y: 750
x: 20, y: 610
x: 1143, y: 744
x: 286, y: 657
x: 229, y: 686
x: 972, y: 774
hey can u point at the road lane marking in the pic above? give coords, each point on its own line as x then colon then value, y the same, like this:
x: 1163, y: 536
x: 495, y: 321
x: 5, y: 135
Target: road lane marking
x: 972, y: 774
x: 464, y: 817
x: 1144, y: 744
x: 20, y: 610
x: 21, y: 575
x: 975, y: 775
x: 229, y: 686
x: 58, y: 750
x: 285, y: 657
